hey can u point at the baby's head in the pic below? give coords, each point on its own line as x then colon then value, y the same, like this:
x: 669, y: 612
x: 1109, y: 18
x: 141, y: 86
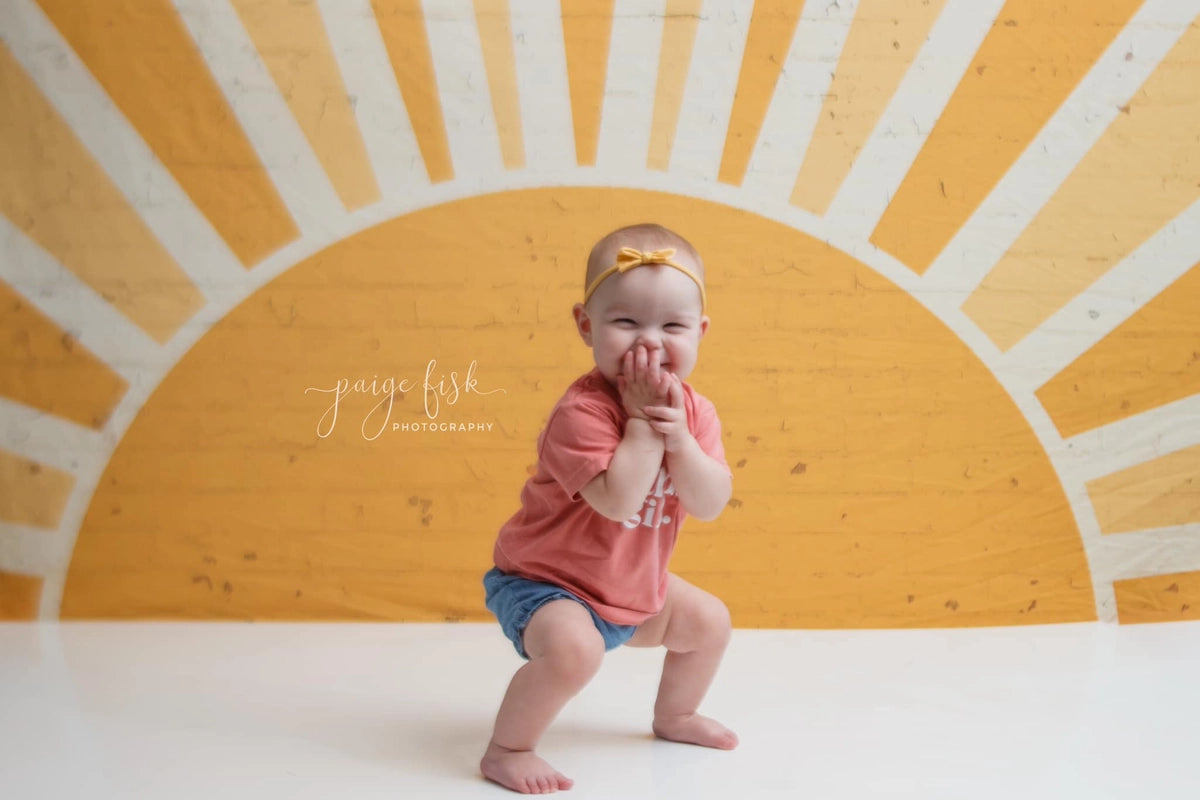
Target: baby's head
x: 644, y: 286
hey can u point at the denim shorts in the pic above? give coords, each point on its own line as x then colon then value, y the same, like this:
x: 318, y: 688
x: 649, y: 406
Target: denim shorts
x: 513, y: 600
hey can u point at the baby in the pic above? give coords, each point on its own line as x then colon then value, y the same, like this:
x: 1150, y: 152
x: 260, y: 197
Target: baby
x: 630, y: 448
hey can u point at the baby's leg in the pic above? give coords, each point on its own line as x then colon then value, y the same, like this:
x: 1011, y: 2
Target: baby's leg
x: 565, y: 651
x: 694, y: 626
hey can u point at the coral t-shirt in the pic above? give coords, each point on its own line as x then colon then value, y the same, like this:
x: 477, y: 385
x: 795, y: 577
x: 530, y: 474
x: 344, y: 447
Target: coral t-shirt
x: 618, y: 568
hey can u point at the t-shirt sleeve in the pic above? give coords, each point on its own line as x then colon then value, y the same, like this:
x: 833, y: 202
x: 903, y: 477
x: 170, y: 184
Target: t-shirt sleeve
x: 706, y: 427
x: 580, y: 439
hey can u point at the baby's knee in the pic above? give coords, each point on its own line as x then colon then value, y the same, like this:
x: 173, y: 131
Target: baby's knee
x: 575, y: 656
x: 715, y: 620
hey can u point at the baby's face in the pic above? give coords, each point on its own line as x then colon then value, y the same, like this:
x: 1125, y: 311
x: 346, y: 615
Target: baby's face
x: 654, y: 305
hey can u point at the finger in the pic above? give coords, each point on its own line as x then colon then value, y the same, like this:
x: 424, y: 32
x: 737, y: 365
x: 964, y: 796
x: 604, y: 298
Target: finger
x: 675, y: 393
x: 654, y: 354
x: 642, y: 360
x: 665, y: 413
x: 661, y: 426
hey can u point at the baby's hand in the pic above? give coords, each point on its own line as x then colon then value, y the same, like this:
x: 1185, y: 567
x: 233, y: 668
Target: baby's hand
x: 670, y: 418
x: 642, y: 382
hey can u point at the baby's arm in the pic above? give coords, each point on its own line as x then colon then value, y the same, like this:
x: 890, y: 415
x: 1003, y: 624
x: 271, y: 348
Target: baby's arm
x: 702, y: 483
x: 619, y: 492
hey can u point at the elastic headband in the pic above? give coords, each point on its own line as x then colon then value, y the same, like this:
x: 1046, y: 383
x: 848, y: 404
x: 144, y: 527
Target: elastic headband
x: 629, y: 258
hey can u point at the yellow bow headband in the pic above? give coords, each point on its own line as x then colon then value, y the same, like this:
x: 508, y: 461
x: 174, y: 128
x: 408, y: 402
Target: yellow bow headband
x: 628, y: 258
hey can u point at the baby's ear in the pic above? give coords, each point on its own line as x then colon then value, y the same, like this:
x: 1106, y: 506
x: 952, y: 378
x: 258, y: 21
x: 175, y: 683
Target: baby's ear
x: 703, y: 325
x: 583, y: 323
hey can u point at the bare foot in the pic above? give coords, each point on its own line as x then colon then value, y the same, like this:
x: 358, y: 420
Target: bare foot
x: 522, y: 771
x: 695, y: 729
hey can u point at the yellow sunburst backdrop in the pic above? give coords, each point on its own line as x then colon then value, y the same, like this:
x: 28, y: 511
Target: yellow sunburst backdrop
x: 286, y: 294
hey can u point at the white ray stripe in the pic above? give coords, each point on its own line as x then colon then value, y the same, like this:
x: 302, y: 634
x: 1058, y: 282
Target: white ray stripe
x: 1145, y: 554
x: 711, y: 85
x: 1057, y: 150
x: 1080, y: 503
x: 1102, y: 307
x: 262, y: 113
x: 545, y: 94
x: 378, y: 105
x: 792, y: 115
x: 52, y: 554
x: 27, y: 550
x: 119, y: 150
x: 910, y: 116
x: 628, y: 110
x: 50, y: 440
x: 463, y: 85
x: 73, y: 305
x: 1109, y: 449
x: 1132, y: 441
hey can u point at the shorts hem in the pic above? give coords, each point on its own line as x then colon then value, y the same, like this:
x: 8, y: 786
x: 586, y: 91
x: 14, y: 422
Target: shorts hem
x: 514, y: 600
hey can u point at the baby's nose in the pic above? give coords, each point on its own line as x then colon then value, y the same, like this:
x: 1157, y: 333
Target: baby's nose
x: 649, y: 339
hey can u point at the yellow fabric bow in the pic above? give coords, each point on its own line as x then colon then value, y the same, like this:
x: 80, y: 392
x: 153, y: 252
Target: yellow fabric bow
x: 628, y: 258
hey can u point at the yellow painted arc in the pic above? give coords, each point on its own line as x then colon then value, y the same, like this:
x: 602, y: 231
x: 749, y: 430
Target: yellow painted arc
x: 58, y: 196
x: 402, y: 25
x: 1156, y: 494
x: 1140, y: 175
x: 867, y: 496
x: 292, y: 42
x: 1150, y: 360
x: 772, y: 26
x: 1031, y: 60
x: 884, y: 38
x: 32, y: 493
x: 680, y: 23
x: 1161, y: 598
x: 494, y: 21
x: 587, y: 32
x: 20, y: 597
x: 44, y: 367
x: 144, y: 58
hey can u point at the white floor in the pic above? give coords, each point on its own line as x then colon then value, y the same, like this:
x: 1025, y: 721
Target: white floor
x: 155, y: 710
